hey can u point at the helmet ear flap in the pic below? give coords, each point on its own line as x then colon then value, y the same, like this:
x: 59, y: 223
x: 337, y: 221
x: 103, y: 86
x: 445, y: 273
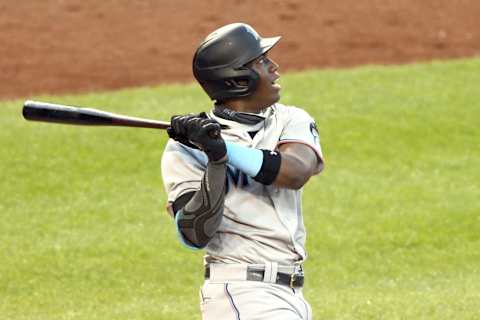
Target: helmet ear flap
x: 246, y: 79
x: 229, y: 83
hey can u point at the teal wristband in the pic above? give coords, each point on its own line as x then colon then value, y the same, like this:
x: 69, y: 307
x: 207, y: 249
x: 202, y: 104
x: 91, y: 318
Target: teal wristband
x: 247, y: 160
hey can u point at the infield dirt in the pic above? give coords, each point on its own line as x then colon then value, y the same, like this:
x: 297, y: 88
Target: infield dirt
x: 78, y: 46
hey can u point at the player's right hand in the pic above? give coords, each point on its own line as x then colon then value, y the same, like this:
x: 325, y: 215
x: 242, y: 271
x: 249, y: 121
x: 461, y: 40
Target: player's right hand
x: 198, y: 131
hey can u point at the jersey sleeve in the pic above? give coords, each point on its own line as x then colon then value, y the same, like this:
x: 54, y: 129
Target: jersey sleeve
x: 182, y: 170
x: 300, y: 127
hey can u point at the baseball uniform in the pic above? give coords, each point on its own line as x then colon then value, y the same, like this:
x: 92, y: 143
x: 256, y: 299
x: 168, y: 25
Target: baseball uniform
x: 262, y: 226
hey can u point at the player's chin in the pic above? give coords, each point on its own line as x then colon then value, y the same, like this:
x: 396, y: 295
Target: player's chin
x: 275, y: 95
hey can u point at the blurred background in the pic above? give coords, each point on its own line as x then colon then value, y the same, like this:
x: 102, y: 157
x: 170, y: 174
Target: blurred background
x: 71, y: 46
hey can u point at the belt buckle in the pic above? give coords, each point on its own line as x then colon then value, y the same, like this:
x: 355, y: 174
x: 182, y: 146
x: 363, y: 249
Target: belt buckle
x: 293, y: 277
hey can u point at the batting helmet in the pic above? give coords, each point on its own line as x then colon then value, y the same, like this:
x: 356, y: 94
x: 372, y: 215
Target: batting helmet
x: 219, y: 62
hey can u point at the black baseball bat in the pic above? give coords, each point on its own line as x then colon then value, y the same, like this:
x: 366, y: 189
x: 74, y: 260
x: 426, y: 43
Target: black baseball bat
x: 59, y: 113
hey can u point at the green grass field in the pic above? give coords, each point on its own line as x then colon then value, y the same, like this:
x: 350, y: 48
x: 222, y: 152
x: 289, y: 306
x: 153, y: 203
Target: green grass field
x: 394, y: 221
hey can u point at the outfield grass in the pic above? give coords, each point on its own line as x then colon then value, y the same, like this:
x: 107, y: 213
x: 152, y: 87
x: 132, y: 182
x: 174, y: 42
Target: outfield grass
x: 393, y: 223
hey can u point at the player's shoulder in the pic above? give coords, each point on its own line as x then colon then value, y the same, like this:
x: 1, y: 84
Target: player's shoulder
x: 176, y: 150
x: 174, y: 146
x: 289, y: 112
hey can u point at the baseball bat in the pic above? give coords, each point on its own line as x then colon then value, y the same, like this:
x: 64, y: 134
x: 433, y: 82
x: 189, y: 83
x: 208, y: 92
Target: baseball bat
x: 59, y: 113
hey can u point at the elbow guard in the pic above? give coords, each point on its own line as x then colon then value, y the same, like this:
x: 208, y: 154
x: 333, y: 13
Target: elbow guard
x: 198, y: 221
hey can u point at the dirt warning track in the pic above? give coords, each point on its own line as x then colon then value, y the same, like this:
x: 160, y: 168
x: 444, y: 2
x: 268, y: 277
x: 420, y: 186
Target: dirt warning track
x: 79, y: 46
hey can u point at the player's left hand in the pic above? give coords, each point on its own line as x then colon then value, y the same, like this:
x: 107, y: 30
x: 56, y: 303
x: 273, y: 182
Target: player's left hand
x: 200, y: 132
x: 177, y: 130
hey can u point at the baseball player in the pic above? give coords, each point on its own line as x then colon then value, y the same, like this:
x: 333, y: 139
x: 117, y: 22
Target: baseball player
x: 234, y: 178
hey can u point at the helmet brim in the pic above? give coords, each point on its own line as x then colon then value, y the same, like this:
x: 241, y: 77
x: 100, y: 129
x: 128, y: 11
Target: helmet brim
x: 268, y: 43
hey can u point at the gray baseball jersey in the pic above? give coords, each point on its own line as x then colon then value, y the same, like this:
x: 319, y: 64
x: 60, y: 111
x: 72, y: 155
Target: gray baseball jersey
x: 260, y: 223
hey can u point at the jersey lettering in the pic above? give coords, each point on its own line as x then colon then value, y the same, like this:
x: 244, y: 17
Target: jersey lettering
x: 236, y: 178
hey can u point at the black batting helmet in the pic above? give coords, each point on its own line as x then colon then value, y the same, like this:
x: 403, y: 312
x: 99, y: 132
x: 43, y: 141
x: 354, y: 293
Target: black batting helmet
x: 219, y: 62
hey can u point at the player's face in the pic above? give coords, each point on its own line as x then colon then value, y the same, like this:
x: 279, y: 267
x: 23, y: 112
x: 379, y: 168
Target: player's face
x: 267, y: 91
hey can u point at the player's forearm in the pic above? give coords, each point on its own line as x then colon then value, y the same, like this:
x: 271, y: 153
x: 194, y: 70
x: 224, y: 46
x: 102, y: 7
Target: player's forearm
x: 293, y: 172
x: 201, y: 216
x: 290, y: 167
x: 262, y: 165
x: 299, y: 163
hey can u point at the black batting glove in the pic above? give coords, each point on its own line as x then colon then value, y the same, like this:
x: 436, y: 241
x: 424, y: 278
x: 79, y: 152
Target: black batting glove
x: 205, y: 134
x: 200, y: 132
x: 177, y: 130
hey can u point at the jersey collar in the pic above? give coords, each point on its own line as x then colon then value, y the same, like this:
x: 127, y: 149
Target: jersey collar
x: 244, y: 121
x: 240, y: 117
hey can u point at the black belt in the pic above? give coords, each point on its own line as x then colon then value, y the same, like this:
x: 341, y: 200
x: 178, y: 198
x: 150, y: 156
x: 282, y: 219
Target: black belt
x: 294, y: 280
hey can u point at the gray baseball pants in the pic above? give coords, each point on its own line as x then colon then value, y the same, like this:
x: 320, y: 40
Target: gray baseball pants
x: 227, y: 295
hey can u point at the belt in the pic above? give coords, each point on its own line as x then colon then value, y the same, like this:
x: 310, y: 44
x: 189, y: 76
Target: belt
x: 292, y: 280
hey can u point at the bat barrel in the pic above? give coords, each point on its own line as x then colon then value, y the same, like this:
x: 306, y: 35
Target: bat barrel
x: 57, y: 113
x: 49, y: 112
